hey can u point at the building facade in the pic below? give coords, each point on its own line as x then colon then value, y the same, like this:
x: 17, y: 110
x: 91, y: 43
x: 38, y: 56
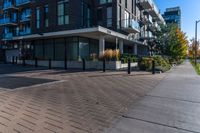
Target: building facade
x: 76, y: 29
x: 173, y: 16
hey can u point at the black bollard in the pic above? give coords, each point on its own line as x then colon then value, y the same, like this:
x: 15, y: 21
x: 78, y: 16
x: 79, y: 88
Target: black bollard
x: 49, y: 63
x: 24, y: 62
x: 13, y: 60
x: 16, y: 60
x: 153, y: 67
x: 83, y: 64
x: 65, y: 63
x: 104, y: 65
x: 129, y: 66
x: 36, y: 62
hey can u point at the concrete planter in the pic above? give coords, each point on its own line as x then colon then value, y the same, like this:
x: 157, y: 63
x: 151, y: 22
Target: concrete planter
x: 110, y: 65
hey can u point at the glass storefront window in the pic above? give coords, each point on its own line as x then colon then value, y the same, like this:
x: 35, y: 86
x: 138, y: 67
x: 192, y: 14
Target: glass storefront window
x: 60, y: 49
x: 48, y: 49
x: 83, y: 48
x: 94, y: 49
x: 72, y: 49
x: 38, y: 49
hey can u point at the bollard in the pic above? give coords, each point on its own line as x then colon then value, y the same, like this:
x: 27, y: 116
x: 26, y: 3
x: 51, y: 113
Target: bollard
x: 104, y: 65
x: 65, y: 63
x: 129, y: 66
x: 36, y: 62
x: 24, y: 63
x: 13, y: 60
x: 16, y: 60
x: 153, y: 67
x: 83, y: 64
x: 49, y: 63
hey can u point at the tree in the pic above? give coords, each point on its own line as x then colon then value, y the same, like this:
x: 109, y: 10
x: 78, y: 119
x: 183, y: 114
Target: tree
x: 172, y: 42
x: 191, y: 48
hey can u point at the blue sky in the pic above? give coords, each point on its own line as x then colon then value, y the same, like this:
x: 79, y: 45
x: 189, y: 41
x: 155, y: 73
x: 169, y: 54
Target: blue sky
x: 190, y: 13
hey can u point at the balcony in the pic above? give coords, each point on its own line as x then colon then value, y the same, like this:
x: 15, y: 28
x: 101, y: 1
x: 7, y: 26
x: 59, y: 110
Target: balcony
x: 25, y: 16
x: 8, y: 21
x: 8, y: 5
x: 130, y: 26
x: 144, y: 20
x: 22, y: 2
x: 153, y: 27
x: 26, y: 31
x: 147, y: 35
x: 7, y: 36
x: 145, y: 4
x: 154, y: 12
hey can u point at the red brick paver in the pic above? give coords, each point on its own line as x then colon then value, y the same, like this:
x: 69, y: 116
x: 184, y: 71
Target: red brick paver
x: 87, y: 102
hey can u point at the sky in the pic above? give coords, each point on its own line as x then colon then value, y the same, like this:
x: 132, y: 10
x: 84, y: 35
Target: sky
x: 190, y: 10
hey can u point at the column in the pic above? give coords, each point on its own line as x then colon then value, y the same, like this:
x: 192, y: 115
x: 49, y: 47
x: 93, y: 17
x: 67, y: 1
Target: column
x: 101, y: 45
x: 121, y: 46
x: 135, y: 49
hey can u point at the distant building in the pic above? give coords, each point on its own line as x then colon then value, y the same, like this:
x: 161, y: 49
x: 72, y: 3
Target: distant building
x: 173, y: 15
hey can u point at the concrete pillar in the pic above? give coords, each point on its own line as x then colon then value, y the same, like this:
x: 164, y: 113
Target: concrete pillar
x: 135, y: 49
x: 101, y: 45
x: 116, y: 43
x: 121, y: 46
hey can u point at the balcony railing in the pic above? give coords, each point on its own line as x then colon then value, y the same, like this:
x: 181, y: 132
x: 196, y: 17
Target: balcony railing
x: 25, y: 16
x: 22, y: 2
x: 146, y: 4
x: 5, y: 21
x: 130, y: 26
x: 147, y: 35
x: 154, y: 12
x: 7, y: 5
x: 25, y: 32
x: 8, y: 36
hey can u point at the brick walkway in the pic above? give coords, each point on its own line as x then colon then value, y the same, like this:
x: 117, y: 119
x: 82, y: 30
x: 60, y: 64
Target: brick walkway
x: 73, y: 102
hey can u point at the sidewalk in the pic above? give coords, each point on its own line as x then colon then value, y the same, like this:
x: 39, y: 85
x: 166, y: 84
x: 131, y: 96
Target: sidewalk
x: 172, y: 107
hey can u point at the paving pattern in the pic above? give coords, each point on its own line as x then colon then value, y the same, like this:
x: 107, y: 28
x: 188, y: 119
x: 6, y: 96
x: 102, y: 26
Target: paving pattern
x: 76, y: 102
x: 172, y: 107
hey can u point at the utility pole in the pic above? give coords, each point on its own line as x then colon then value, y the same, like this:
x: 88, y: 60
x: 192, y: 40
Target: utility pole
x: 195, y: 56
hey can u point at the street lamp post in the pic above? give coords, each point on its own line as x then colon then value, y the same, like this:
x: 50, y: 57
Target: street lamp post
x: 195, y: 61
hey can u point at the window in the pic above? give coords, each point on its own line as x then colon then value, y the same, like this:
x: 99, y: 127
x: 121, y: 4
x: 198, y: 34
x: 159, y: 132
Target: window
x: 86, y: 15
x: 126, y: 4
x: 100, y: 16
x: 37, y: 17
x: 126, y: 19
x: 63, y: 12
x: 118, y: 16
x: 109, y: 17
x: 105, y: 1
x: 46, y: 14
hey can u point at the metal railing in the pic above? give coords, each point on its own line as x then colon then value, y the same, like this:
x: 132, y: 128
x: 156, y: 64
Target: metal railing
x: 8, y: 36
x: 130, y: 23
x: 7, y: 20
x: 21, y: 2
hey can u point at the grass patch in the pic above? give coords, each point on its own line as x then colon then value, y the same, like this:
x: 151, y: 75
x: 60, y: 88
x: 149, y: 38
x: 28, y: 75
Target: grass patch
x: 196, y: 67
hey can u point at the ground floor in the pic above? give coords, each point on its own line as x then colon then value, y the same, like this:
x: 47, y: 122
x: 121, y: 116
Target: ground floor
x: 88, y: 43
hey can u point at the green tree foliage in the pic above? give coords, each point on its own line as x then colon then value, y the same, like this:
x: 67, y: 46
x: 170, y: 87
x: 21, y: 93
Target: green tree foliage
x: 172, y: 42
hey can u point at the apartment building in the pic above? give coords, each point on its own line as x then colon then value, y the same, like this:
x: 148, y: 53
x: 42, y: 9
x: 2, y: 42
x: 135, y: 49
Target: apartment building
x: 76, y: 29
x: 173, y: 16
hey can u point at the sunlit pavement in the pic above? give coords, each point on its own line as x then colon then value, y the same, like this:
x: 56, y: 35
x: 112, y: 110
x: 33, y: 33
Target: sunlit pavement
x: 58, y: 101
x: 172, y: 107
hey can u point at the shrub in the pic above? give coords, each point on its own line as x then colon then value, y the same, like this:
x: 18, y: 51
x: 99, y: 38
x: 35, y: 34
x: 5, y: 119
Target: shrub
x: 110, y: 54
x: 145, y: 63
x: 125, y: 57
x: 161, y: 63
